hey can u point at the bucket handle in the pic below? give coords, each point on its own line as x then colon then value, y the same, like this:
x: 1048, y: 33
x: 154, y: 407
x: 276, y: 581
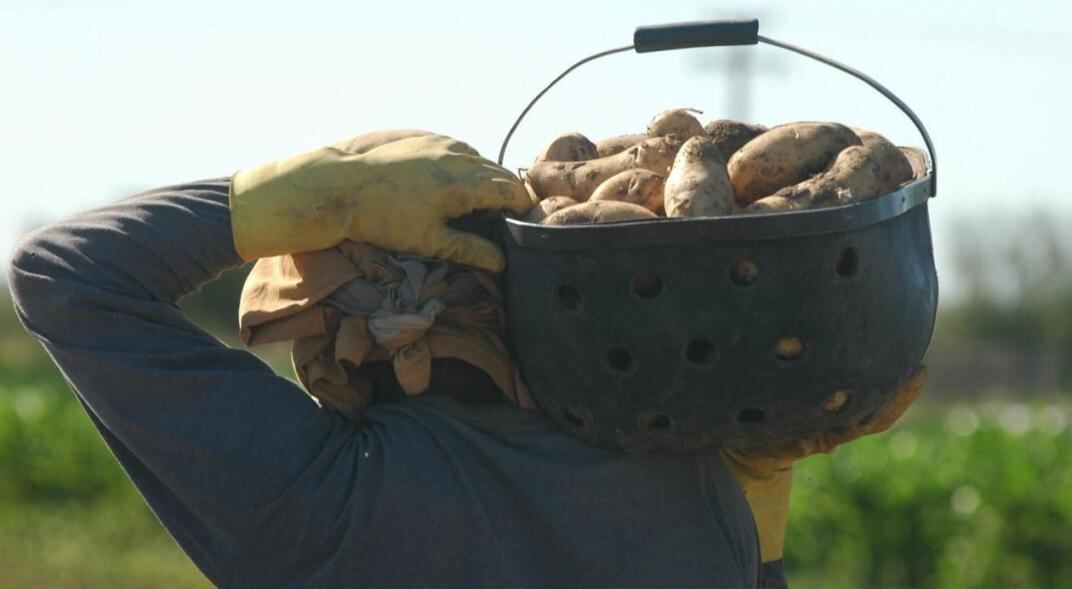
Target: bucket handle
x: 717, y: 33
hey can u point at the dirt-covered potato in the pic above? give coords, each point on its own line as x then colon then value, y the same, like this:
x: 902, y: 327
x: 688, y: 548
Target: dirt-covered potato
x: 547, y: 206
x: 784, y: 156
x: 640, y: 187
x: 854, y: 176
x: 618, y: 144
x: 698, y: 185
x: 918, y: 160
x: 568, y: 147
x: 578, y: 180
x: 893, y: 165
x: 775, y: 204
x: 732, y: 135
x: 678, y: 121
x: 598, y: 211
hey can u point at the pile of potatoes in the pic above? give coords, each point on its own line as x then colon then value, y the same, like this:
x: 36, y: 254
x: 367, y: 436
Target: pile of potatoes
x: 681, y: 168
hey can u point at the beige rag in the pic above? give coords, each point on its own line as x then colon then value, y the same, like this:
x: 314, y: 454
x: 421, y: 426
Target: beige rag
x: 354, y: 303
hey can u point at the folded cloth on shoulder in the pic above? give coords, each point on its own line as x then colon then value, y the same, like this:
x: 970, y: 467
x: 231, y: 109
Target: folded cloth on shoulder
x: 354, y: 304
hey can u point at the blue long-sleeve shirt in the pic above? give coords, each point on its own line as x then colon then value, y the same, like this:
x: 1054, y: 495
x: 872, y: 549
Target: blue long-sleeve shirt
x: 262, y: 488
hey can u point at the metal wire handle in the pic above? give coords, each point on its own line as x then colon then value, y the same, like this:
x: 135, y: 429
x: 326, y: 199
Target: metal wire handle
x: 723, y: 33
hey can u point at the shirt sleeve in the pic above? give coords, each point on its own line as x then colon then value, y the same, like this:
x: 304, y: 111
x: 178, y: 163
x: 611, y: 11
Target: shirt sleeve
x: 204, y: 431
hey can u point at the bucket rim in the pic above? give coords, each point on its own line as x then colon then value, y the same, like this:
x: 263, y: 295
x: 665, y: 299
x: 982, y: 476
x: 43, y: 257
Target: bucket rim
x: 675, y: 231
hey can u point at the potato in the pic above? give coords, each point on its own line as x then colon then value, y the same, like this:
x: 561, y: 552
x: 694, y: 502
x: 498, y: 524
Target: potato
x: 675, y: 122
x: 892, y: 164
x: 731, y: 135
x: 854, y: 176
x: 784, y: 156
x: 568, y: 147
x: 640, y: 187
x: 578, y: 180
x: 599, y: 211
x: 614, y: 145
x: 547, y: 207
x: 775, y: 204
x: 698, y: 185
x: 918, y: 160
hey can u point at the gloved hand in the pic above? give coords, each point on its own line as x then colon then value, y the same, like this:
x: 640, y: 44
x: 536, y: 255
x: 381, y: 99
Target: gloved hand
x: 765, y: 474
x: 392, y: 189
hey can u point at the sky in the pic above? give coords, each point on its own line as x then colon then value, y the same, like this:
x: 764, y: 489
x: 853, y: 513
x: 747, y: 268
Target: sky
x: 101, y: 99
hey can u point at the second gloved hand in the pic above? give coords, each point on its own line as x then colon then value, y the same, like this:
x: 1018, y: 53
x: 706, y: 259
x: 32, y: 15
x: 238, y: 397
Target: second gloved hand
x: 392, y: 189
x: 765, y: 474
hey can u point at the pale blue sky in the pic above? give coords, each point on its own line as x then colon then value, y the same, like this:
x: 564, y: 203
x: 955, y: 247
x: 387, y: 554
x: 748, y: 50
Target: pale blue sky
x: 101, y: 98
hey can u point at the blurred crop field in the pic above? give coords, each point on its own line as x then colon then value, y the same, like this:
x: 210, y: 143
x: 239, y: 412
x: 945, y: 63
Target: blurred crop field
x: 954, y: 496
x: 972, y: 489
x: 68, y: 515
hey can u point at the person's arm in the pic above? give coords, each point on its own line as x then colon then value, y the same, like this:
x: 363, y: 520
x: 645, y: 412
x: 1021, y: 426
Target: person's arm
x: 207, y: 433
x: 219, y: 445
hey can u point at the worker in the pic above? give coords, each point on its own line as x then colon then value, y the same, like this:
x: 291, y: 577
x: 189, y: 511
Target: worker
x: 262, y: 487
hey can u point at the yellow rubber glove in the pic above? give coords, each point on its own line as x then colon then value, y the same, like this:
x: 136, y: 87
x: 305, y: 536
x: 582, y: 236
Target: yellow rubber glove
x: 392, y: 189
x: 765, y: 474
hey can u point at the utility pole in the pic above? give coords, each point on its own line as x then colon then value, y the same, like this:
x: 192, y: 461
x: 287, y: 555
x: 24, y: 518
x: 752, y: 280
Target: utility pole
x: 740, y: 66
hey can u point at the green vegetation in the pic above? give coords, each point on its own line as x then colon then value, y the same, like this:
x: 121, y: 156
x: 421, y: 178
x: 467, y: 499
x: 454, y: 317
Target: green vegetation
x: 68, y: 515
x: 955, y: 496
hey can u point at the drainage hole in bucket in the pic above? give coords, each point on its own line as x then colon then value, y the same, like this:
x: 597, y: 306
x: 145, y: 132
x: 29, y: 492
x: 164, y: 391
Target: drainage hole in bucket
x: 789, y: 348
x: 570, y: 298
x: 700, y: 352
x: 744, y: 272
x: 751, y: 415
x: 620, y: 360
x: 836, y: 401
x: 647, y: 285
x: 659, y: 421
x: 847, y: 263
x: 573, y: 415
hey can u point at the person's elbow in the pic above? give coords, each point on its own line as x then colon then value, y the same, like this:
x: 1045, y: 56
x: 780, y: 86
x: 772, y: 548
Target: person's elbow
x: 34, y: 276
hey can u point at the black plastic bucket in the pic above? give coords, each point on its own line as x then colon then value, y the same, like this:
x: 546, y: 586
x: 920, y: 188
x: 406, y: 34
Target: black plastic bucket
x: 730, y: 331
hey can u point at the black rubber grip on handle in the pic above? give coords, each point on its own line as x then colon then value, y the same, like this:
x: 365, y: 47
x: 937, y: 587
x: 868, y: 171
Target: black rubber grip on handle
x: 712, y: 33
